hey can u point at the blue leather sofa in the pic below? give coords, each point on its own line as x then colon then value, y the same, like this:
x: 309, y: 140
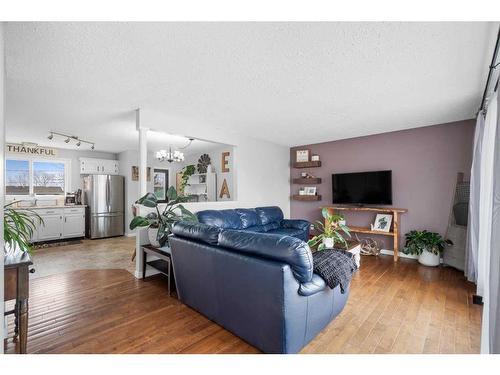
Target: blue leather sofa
x: 261, y: 219
x: 260, y: 286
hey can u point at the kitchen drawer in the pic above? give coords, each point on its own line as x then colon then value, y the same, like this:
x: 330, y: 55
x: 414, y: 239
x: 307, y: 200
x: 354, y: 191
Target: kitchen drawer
x: 49, y: 211
x: 74, y: 210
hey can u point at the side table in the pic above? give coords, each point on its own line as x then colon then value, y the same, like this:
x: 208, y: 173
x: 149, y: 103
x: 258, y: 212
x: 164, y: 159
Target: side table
x: 163, y: 264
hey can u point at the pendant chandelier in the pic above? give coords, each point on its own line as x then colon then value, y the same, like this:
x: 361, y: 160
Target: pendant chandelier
x: 164, y: 155
x: 175, y: 156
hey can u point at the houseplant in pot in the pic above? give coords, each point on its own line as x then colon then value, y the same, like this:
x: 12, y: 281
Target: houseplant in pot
x: 160, y: 223
x: 332, y: 231
x: 18, y: 228
x: 427, y: 245
x: 185, y: 173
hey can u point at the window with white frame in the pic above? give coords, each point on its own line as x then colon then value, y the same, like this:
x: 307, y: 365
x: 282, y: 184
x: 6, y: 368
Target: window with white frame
x: 40, y: 177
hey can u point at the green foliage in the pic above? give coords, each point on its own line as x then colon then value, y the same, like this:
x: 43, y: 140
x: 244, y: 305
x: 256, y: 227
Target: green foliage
x: 18, y: 227
x: 186, y: 172
x: 330, y: 228
x: 418, y: 241
x: 174, y: 211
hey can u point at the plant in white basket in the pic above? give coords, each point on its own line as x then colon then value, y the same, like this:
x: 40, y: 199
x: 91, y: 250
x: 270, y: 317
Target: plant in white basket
x: 427, y: 245
x: 331, y: 230
x: 160, y: 223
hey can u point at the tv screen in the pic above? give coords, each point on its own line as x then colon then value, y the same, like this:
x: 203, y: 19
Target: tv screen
x: 362, y: 187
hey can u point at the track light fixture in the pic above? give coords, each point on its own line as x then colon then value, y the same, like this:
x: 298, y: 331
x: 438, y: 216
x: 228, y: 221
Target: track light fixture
x: 70, y: 138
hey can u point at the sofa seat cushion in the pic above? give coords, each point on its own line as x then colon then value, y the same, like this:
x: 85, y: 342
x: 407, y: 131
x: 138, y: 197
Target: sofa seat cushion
x: 287, y: 232
x: 286, y: 249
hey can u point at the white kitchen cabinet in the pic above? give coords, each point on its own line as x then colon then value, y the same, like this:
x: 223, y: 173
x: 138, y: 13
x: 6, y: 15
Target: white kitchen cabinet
x: 59, y: 223
x: 98, y: 166
x: 74, y: 226
x: 51, y: 229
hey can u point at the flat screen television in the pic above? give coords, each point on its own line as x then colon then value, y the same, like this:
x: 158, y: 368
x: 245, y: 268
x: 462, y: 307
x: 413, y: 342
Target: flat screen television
x: 362, y: 188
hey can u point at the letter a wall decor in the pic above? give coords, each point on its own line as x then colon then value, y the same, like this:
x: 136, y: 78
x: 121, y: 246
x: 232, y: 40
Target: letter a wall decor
x: 224, y: 190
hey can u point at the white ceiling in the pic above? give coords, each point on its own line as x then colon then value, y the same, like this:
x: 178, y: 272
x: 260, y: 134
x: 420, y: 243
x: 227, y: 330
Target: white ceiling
x: 288, y: 83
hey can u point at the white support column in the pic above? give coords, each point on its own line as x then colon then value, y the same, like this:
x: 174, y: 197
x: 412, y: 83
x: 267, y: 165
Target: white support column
x: 143, y: 187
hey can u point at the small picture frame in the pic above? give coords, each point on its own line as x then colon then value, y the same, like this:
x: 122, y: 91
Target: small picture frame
x: 310, y: 190
x: 302, y: 156
x: 315, y: 158
x: 302, y: 191
x: 303, y: 174
x: 382, y: 223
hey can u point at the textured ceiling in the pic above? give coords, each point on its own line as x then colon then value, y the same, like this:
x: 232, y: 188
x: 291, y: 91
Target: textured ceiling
x: 289, y: 83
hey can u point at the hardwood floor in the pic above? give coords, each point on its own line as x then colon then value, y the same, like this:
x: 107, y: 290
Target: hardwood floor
x: 393, y: 308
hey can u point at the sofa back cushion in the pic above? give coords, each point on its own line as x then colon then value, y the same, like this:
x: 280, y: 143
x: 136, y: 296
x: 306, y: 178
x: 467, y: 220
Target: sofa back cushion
x: 197, y: 231
x: 286, y: 249
x: 270, y: 215
x: 248, y: 217
x: 225, y: 219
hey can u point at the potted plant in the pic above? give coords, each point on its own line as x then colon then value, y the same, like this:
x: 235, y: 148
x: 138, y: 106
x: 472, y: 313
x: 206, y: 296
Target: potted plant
x: 427, y: 245
x: 332, y: 231
x: 186, y: 172
x: 160, y: 224
x: 18, y: 228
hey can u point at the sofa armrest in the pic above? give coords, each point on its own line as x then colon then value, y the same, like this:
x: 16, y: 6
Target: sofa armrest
x: 316, y: 285
x: 295, y: 224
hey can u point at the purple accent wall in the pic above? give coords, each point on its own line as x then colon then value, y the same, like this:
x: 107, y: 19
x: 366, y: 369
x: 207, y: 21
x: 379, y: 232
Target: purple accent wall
x: 424, y: 163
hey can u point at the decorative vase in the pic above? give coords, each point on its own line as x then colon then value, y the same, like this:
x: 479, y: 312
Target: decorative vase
x: 428, y: 258
x: 328, y: 242
x: 153, y: 234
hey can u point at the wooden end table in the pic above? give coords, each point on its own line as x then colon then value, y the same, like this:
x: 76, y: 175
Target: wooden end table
x: 163, y: 264
x: 16, y: 286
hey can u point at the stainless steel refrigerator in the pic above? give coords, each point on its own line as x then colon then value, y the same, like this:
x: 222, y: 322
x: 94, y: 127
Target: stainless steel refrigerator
x: 104, y: 196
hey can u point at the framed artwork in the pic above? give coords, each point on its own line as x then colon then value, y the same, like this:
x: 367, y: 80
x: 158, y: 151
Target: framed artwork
x: 310, y: 190
x: 382, y: 223
x: 135, y: 173
x: 302, y: 156
x: 160, y: 184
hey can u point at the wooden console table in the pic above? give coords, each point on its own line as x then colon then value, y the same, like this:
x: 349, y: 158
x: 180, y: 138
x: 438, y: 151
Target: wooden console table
x: 394, y: 232
x: 16, y: 286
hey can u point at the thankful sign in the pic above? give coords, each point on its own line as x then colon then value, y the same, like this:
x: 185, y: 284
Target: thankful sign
x: 31, y: 150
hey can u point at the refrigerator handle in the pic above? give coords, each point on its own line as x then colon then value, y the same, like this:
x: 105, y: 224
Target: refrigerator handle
x: 108, y: 193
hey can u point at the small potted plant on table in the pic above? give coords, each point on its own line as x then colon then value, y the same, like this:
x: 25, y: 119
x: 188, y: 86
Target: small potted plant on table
x: 427, y: 245
x: 331, y: 231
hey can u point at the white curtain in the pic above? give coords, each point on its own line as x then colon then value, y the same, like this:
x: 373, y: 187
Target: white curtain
x: 483, y: 238
x: 471, y: 254
x: 494, y: 279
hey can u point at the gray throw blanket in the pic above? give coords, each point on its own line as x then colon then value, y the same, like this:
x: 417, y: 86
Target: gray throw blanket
x: 336, y: 267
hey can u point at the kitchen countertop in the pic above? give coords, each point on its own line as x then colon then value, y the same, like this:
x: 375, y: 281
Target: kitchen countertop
x: 50, y: 207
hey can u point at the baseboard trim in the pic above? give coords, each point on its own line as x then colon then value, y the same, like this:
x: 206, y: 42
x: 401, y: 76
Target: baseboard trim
x: 130, y: 234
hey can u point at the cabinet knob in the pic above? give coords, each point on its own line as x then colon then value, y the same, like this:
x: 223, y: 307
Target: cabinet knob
x: 32, y: 270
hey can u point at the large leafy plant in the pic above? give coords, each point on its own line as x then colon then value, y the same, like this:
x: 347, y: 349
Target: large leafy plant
x: 186, y: 172
x: 18, y: 227
x: 417, y: 241
x: 332, y: 228
x: 174, y: 211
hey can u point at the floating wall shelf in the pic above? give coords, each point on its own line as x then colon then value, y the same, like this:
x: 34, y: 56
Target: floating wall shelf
x: 307, y: 164
x: 307, y: 181
x: 306, y: 197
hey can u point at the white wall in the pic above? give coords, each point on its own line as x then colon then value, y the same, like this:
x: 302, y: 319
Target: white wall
x: 216, y: 158
x: 128, y: 159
